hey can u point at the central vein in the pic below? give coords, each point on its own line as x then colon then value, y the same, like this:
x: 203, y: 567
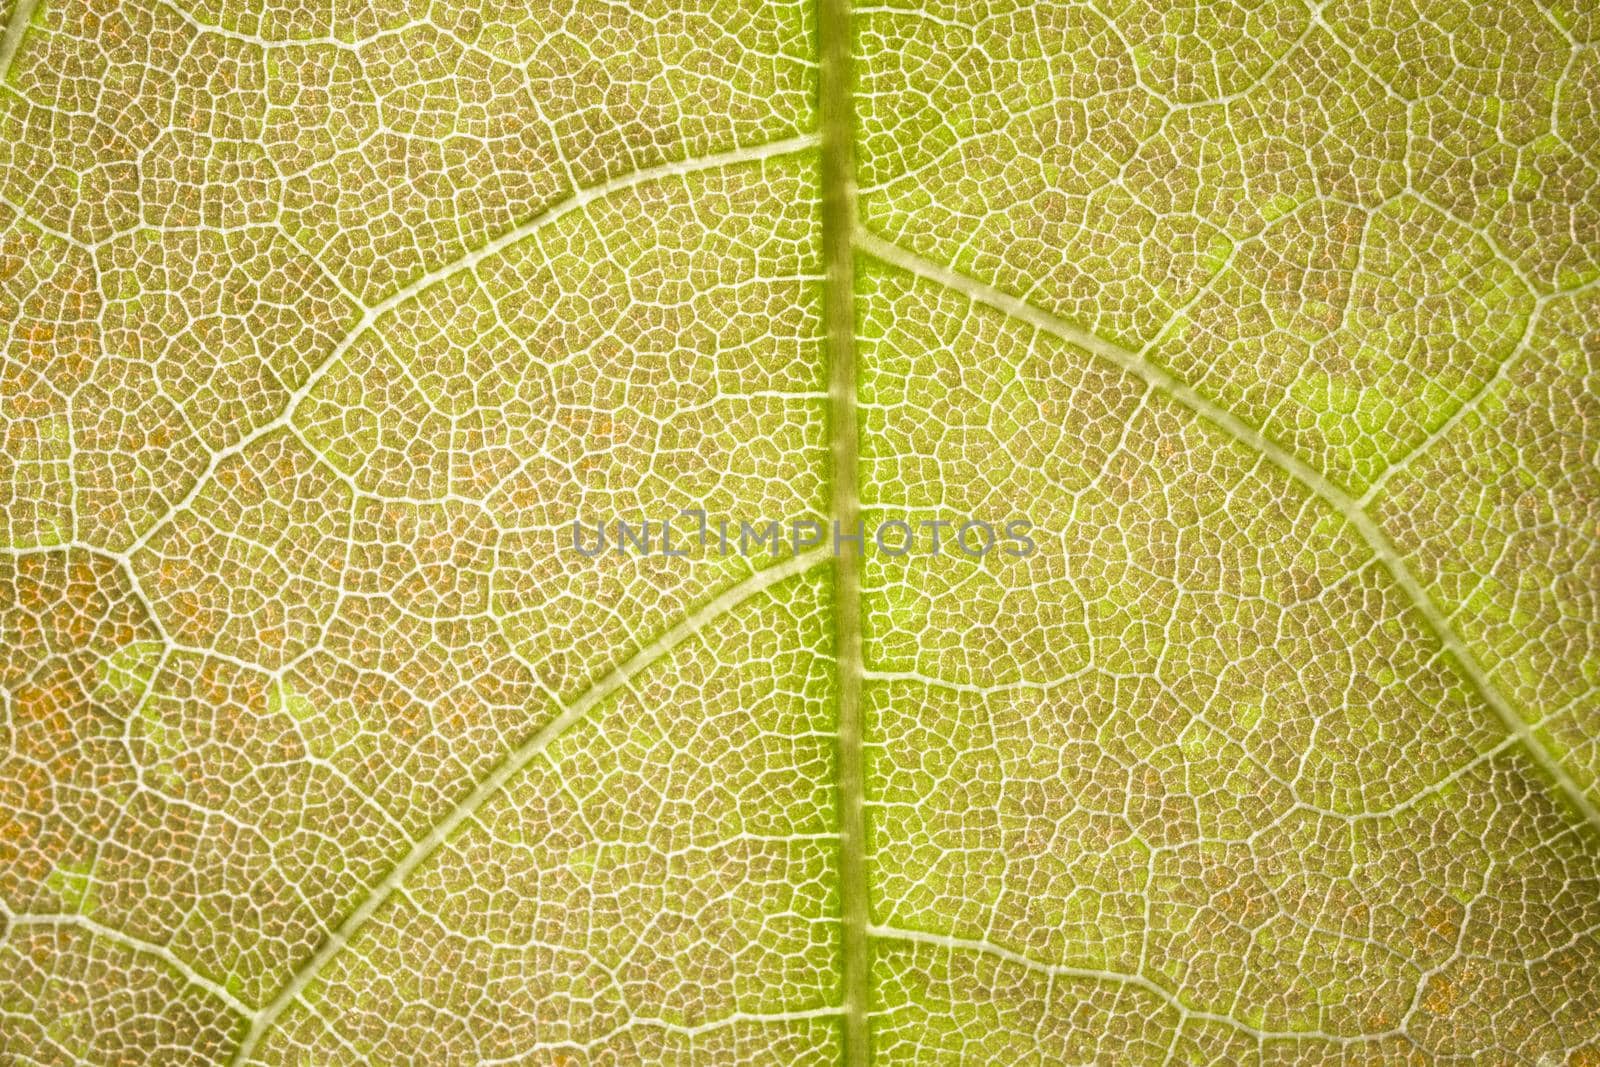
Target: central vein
x: 838, y: 318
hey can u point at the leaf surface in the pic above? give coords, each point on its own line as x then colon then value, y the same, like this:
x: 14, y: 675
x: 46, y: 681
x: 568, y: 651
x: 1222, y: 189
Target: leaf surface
x: 322, y: 742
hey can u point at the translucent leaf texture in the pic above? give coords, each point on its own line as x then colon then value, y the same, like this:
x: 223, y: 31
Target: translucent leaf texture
x: 322, y: 322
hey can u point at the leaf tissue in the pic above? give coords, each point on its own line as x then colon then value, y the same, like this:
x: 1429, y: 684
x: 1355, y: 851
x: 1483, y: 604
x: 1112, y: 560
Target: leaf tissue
x: 1101, y: 532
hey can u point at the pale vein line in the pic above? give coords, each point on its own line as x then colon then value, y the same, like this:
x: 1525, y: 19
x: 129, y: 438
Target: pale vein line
x: 468, y: 261
x: 994, y: 689
x: 134, y: 944
x: 503, y: 772
x: 1135, y: 981
x: 1300, y: 471
x: 354, y: 44
x: 733, y: 1018
x: 1465, y: 410
x: 20, y: 18
x: 637, y: 1022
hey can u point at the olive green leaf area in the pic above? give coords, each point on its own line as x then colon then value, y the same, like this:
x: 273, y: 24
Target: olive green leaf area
x: 324, y: 321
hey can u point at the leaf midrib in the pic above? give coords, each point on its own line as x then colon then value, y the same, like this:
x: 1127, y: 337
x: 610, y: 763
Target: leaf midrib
x: 837, y: 177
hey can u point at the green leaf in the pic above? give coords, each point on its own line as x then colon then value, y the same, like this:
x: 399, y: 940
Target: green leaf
x: 328, y: 327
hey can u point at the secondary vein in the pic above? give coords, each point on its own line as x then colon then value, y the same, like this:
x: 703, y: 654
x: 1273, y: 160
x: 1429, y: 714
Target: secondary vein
x: 507, y: 769
x: 1383, y: 550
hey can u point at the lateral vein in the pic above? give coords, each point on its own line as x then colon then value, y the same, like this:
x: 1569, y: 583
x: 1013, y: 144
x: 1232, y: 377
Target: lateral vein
x: 24, y: 920
x: 1342, y: 502
x: 373, y: 314
x: 21, y: 16
x: 504, y: 771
